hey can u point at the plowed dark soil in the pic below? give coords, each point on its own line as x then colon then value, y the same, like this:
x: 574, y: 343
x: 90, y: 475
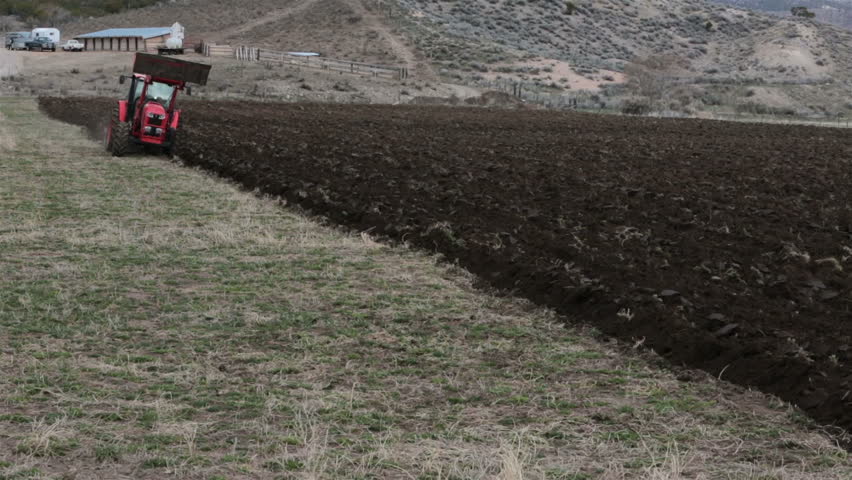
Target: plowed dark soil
x: 723, y: 246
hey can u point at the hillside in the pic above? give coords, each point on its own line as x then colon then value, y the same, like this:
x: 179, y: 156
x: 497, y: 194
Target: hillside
x: 335, y: 28
x: 52, y: 11
x: 726, y: 57
x: 716, y: 40
x: 836, y: 12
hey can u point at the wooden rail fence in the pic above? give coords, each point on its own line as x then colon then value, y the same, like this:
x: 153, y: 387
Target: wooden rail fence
x: 253, y: 54
x: 213, y: 50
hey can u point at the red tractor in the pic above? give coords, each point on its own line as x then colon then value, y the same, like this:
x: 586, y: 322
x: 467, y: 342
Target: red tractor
x: 148, y: 116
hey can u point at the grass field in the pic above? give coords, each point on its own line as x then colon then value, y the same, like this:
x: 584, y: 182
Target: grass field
x: 157, y: 322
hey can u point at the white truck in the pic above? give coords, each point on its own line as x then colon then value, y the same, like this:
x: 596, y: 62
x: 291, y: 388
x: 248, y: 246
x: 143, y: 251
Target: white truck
x: 73, y: 46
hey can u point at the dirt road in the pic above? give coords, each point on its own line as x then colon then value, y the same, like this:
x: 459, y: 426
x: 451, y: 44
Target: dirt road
x: 270, y: 17
x: 418, y: 67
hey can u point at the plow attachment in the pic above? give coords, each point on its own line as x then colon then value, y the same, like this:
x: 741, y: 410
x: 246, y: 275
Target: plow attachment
x: 171, y: 68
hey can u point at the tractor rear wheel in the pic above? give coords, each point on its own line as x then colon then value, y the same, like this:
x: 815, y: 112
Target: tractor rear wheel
x: 118, y: 136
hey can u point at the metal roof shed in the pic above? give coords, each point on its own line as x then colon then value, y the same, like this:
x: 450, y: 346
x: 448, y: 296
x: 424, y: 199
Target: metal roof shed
x: 126, y: 39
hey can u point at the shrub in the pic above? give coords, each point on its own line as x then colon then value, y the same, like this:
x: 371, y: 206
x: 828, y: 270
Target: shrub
x: 635, y: 107
x: 802, y: 12
x: 710, y: 99
x: 761, y: 109
x: 570, y: 8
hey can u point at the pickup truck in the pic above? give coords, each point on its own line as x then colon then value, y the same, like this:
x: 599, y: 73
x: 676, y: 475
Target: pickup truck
x: 41, y: 44
x: 73, y: 46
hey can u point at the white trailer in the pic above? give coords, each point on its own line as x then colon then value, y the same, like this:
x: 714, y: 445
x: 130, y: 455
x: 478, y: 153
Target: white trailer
x: 51, y: 33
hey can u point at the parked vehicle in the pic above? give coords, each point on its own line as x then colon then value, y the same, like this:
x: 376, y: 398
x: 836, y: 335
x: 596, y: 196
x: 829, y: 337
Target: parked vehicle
x: 41, y: 44
x: 19, y: 43
x: 173, y: 46
x: 73, y: 46
x: 51, y: 33
x: 12, y: 36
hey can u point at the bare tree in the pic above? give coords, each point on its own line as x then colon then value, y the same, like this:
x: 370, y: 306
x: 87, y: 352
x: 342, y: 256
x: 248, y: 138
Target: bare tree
x: 57, y: 15
x: 653, y: 77
x: 6, y: 23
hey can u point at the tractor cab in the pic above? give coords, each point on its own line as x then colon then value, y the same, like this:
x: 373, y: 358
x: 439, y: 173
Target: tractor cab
x: 154, y: 99
x: 148, y: 116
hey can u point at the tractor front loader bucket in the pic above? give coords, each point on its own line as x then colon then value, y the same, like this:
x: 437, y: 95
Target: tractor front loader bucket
x: 171, y: 68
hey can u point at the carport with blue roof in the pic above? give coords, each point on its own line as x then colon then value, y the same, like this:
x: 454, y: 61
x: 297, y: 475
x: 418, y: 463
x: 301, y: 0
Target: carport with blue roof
x: 126, y: 39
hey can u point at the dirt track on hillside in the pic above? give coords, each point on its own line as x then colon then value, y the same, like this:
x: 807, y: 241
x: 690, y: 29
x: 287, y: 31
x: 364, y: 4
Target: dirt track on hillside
x: 723, y: 246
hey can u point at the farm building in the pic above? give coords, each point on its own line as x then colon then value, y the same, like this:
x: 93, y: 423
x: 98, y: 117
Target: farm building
x: 131, y: 39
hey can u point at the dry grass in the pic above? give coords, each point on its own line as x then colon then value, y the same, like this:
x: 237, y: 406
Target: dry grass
x: 7, y: 141
x: 47, y: 438
x: 158, y: 322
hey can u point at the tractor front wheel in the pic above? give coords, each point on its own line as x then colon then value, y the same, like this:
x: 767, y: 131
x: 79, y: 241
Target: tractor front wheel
x: 118, y: 136
x: 120, y: 139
